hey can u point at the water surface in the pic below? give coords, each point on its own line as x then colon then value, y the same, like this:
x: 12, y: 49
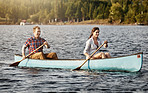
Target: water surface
x: 68, y: 42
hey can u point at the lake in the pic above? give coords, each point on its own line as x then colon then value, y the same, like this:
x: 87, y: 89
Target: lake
x: 68, y: 41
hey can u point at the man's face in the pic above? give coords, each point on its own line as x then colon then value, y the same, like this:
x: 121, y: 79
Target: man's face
x: 37, y: 33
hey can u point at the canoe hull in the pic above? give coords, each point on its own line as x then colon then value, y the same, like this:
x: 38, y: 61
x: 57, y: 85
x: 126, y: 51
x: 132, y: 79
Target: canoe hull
x: 131, y: 63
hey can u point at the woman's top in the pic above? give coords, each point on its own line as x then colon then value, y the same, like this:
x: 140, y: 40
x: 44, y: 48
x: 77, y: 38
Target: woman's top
x: 91, y: 46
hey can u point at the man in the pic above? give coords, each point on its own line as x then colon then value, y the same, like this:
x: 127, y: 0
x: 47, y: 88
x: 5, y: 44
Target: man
x: 33, y: 43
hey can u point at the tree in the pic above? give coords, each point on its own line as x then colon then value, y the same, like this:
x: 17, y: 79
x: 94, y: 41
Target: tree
x: 70, y: 11
x: 91, y: 8
x: 130, y: 17
x: 116, y: 11
x: 101, y: 11
x: 95, y: 13
x: 84, y: 10
x: 140, y: 18
x: 52, y: 14
x: 61, y: 10
x: 129, y: 11
x: 35, y: 18
x: 78, y: 13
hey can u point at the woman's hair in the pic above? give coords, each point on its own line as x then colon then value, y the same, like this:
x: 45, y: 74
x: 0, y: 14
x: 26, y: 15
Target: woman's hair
x: 35, y: 28
x: 93, y: 30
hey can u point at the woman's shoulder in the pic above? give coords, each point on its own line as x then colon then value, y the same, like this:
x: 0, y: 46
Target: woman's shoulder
x: 100, y: 39
x: 89, y: 40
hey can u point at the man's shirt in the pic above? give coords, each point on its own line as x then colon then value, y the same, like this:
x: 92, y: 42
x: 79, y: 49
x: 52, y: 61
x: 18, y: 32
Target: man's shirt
x: 33, y: 43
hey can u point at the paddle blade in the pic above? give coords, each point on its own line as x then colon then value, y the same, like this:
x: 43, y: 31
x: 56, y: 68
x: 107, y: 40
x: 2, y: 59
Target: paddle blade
x: 78, y: 68
x: 14, y: 64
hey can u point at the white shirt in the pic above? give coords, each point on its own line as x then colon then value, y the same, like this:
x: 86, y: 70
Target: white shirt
x: 91, y: 46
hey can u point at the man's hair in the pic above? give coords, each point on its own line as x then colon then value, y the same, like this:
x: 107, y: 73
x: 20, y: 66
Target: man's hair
x: 35, y: 28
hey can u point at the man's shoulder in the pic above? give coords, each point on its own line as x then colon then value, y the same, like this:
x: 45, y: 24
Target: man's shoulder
x: 30, y: 38
x: 42, y: 38
x: 33, y: 38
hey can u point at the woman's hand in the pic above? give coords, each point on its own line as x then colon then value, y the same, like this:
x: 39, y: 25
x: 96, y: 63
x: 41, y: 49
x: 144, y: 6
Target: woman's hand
x: 105, y: 44
x: 87, y: 56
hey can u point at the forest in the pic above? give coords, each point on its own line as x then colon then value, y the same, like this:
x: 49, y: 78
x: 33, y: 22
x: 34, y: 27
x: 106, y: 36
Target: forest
x: 47, y: 11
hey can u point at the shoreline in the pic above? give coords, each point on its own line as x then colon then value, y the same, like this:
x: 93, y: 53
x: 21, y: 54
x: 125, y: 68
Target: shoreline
x: 101, y: 22
x: 86, y: 22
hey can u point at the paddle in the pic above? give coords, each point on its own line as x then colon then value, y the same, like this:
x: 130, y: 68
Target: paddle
x: 16, y: 63
x: 78, y: 68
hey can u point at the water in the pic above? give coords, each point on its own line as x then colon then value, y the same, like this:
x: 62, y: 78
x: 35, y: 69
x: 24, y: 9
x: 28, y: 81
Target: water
x: 68, y: 42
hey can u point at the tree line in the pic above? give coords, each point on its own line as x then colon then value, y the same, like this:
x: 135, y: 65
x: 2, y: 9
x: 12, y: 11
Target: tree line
x: 45, y: 11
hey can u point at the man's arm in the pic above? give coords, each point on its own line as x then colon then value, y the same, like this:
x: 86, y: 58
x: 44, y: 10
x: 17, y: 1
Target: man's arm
x: 46, y: 44
x: 23, y: 51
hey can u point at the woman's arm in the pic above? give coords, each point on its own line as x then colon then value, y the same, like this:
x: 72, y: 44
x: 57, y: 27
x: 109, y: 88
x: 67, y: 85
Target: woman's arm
x: 87, y: 49
x: 87, y: 55
x: 106, y: 44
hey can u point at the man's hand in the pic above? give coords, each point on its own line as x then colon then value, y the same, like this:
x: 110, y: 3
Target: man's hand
x: 46, y: 44
x: 23, y: 57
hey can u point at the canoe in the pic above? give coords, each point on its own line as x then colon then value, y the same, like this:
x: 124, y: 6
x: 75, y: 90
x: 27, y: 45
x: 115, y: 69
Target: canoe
x: 130, y: 63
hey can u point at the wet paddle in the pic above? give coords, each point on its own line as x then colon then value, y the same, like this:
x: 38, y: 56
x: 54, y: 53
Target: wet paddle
x: 78, y: 68
x: 16, y: 63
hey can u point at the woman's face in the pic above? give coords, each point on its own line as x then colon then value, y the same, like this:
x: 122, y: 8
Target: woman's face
x: 96, y: 33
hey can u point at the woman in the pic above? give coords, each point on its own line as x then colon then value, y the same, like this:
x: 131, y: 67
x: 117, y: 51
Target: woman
x: 93, y: 43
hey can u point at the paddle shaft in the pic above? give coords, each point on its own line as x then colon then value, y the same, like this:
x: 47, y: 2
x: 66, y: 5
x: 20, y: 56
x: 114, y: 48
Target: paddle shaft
x: 34, y: 50
x: 89, y: 57
x: 16, y: 63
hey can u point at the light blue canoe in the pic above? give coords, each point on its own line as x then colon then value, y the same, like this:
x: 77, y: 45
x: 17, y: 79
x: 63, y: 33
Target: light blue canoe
x: 130, y: 63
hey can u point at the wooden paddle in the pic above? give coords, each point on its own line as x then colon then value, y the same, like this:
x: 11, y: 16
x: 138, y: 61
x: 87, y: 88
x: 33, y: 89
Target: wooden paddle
x: 16, y: 63
x: 78, y: 68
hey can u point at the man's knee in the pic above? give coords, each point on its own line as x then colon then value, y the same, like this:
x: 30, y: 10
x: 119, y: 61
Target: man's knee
x: 51, y: 55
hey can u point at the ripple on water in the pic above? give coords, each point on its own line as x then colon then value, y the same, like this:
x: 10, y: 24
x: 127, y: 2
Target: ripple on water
x: 68, y: 42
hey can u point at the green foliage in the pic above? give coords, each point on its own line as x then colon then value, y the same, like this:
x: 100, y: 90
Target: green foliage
x: 140, y: 18
x: 35, y: 18
x: 116, y: 11
x: 84, y: 10
x: 130, y: 17
x: 41, y: 11
x: 78, y: 13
